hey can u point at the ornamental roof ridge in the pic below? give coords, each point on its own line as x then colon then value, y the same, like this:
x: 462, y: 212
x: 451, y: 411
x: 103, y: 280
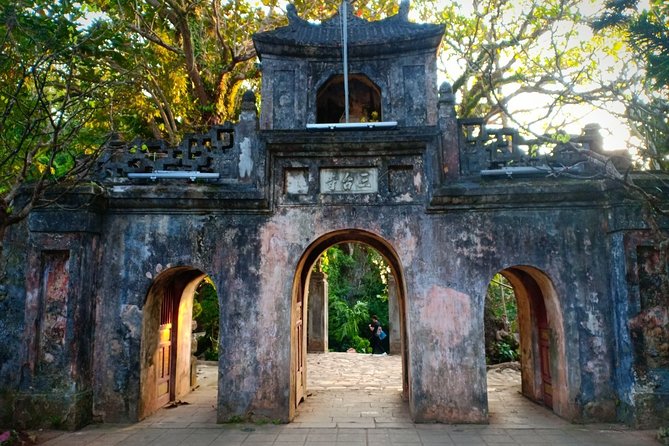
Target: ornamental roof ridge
x: 327, y: 33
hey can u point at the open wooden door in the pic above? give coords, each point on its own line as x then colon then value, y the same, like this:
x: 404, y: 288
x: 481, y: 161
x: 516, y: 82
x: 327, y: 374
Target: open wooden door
x: 164, y: 358
x: 545, y: 357
x: 544, y: 333
x: 300, y: 345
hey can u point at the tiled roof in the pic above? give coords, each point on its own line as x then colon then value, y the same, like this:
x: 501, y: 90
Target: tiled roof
x: 394, y: 34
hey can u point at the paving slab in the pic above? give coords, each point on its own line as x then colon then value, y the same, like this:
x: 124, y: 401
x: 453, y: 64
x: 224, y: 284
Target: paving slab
x: 354, y: 400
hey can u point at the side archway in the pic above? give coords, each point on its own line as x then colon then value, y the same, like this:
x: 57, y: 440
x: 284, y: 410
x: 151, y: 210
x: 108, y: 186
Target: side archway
x: 542, y: 342
x: 300, y: 303
x: 165, y: 352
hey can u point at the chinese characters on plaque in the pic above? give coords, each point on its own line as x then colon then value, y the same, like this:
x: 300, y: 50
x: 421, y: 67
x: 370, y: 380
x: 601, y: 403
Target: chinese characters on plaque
x: 355, y: 180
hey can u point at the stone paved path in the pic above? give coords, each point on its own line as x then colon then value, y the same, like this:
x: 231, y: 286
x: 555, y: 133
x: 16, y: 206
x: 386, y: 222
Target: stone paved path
x: 355, y: 400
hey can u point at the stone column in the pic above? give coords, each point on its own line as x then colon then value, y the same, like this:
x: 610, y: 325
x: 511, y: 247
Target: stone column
x: 317, y: 324
x: 57, y: 358
x: 395, y: 339
x: 448, y: 126
x: 593, y: 137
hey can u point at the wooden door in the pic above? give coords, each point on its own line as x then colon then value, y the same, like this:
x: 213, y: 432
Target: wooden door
x: 300, y: 357
x: 164, y: 358
x: 545, y: 357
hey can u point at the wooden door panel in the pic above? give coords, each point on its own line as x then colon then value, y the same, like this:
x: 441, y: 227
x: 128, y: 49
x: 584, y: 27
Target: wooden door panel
x: 164, y: 356
x: 300, y: 357
x: 163, y: 365
x: 545, y: 355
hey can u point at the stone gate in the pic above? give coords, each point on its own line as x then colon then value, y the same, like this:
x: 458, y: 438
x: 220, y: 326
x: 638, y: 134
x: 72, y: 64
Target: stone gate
x: 97, y: 291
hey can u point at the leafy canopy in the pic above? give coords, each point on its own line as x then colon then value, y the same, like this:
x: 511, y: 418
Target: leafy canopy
x: 53, y: 100
x: 647, y: 103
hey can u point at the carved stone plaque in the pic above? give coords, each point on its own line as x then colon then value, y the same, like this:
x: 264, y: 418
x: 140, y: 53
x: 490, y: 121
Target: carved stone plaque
x: 353, y: 180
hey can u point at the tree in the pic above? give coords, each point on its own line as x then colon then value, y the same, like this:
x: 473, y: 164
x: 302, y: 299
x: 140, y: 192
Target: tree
x: 52, y: 104
x: 185, y: 59
x: 647, y: 31
x: 206, y: 314
x: 526, y: 63
x: 188, y: 60
x: 500, y: 322
x: 647, y: 108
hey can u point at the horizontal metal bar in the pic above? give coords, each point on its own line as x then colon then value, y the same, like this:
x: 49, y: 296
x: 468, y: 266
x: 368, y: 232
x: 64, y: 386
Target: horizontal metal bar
x: 521, y: 170
x: 174, y: 174
x: 353, y: 125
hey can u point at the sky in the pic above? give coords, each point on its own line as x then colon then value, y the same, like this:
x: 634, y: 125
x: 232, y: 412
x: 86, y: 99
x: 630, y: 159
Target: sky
x: 615, y: 132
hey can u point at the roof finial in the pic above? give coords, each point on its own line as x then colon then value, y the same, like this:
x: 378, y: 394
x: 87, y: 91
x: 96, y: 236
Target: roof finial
x: 404, y: 10
x: 291, y: 13
x: 349, y: 7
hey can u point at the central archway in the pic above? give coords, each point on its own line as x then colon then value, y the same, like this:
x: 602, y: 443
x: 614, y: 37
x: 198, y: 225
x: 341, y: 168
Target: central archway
x: 300, y: 299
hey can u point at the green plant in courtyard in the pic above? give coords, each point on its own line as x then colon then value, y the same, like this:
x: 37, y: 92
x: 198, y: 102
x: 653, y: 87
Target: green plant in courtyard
x: 506, y: 351
x: 357, y: 284
x: 663, y: 435
x: 501, y: 322
x: 206, y: 314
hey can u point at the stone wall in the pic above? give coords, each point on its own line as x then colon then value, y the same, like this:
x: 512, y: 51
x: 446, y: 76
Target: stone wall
x: 47, y: 376
x: 448, y: 202
x: 77, y: 282
x: 446, y: 267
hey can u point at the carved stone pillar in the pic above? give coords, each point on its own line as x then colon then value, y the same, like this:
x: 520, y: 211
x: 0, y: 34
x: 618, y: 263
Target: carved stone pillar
x: 57, y: 357
x: 448, y: 126
x: 394, y: 317
x: 317, y: 325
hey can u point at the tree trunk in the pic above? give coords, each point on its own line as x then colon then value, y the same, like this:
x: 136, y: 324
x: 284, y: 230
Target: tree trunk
x: 3, y: 231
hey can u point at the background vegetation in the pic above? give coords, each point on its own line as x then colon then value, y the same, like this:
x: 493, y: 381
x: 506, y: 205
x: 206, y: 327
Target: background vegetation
x: 357, y: 289
x: 206, y: 314
x: 501, y: 322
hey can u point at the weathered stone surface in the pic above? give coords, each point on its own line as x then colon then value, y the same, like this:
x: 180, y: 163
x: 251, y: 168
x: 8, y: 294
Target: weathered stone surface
x: 317, y: 322
x: 82, y: 292
x: 48, y: 378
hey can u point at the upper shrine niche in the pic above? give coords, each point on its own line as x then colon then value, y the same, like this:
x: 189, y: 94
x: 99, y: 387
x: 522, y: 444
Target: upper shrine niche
x: 391, y: 65
x: 364, y: 102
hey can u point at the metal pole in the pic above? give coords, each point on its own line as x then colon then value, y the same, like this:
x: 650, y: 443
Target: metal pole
x: 344, y: 25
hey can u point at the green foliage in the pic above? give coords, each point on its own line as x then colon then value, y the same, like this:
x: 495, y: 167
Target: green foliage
x: 53, y: 100
x: 647, y: 105
x: 206, y: 314
x: 357, y: 284
x: 504, y: 352
x: 345, y: 324
x: 501, y: 322
x: 647, y: 30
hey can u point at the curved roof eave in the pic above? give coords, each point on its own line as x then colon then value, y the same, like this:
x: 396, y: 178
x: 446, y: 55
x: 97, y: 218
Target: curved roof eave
x: 393, y: 34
